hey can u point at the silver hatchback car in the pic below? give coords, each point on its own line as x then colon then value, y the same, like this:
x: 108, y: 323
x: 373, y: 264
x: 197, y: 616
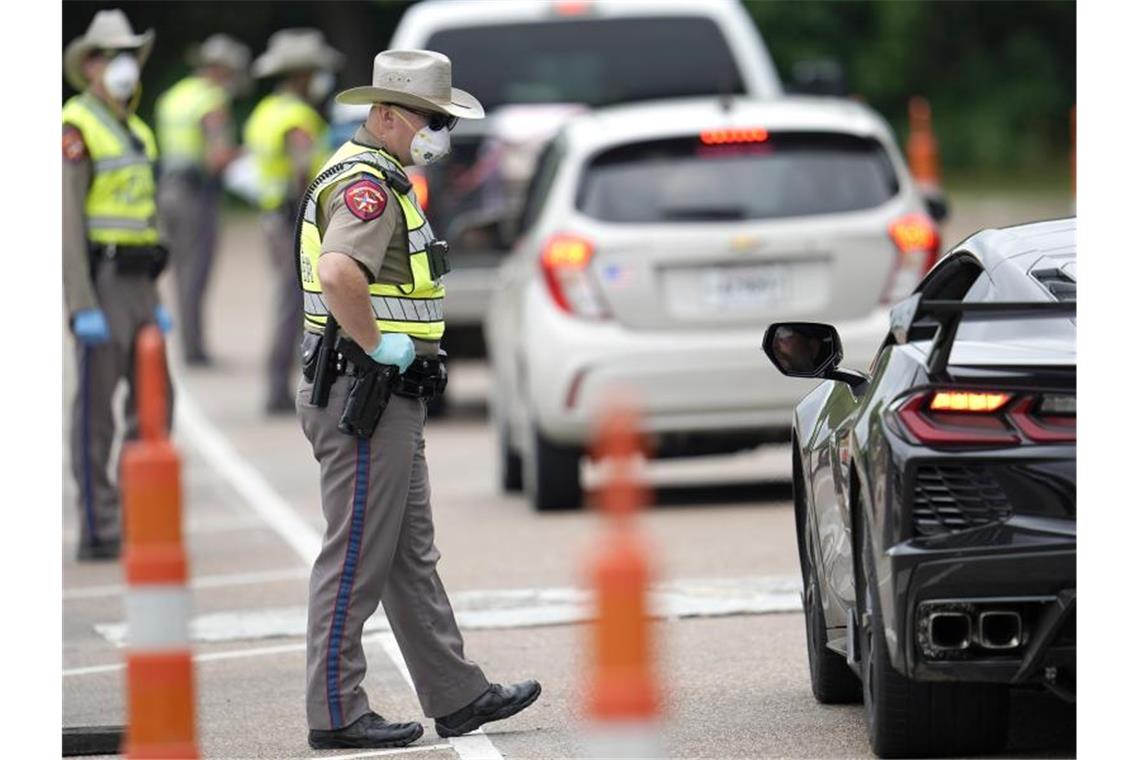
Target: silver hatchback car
x: 658, y: 241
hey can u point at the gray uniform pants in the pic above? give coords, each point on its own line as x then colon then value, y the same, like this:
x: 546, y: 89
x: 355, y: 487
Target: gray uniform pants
x: 190, y: 218
x: 128, y: 303
x: 279, y: 228
x: 379, y: 546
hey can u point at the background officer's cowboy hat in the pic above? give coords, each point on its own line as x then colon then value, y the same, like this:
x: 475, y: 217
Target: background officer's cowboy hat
x: 109, y: 30
x: 296, y: 50
x: 220, y: 50
x: 416, y: 78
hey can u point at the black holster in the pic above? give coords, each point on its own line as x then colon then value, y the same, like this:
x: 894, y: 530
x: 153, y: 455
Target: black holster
x: 372, y: 386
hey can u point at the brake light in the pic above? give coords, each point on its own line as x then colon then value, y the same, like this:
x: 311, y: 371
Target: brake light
x: 565, y: 263
x: 730, y: 136
x: 917, y: 240
x: 967, y: 401
x: 420, y: 188
x: 943, y: 417
x: 571, y: 7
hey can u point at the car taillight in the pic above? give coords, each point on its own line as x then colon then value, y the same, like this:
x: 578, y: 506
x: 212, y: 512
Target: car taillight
x: 731, y: 136
x: 960, y: 417
x: 917, y: 241
x: 420, y: 188
x: 565, y: 263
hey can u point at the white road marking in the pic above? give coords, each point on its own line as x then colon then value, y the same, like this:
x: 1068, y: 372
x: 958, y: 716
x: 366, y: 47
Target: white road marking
x: 255, y: 490
x: 518, y: 608
x: 386, y: 752
x: 229, y: 654
x: 472, y: 746
x: 221, y: 580
x: 263, y: 499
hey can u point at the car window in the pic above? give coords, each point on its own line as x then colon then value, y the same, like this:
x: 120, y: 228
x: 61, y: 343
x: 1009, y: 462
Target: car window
x: 540, y: 183
x: 592, y: 61
x: 706, y: 178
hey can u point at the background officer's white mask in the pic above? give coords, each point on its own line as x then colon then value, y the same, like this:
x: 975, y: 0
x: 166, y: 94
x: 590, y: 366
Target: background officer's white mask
x: 121, y: 76
x: 320, y: 85
x: 428, y: 145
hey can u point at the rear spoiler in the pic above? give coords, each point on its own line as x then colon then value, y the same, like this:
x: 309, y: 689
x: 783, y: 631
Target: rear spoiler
x: 947, y: 315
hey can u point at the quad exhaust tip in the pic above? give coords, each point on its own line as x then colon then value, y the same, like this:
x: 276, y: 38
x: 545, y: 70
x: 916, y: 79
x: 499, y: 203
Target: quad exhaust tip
x: 999, y: 629
x: 950, y: 631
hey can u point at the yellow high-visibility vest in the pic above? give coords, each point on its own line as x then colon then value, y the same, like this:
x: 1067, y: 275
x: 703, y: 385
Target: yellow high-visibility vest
x: 178, y: 116
x: 120, y: 205
x: 264, y: 137
x: 414, y: 308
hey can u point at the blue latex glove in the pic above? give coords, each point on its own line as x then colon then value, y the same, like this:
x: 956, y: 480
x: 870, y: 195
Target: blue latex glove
x: 90, y: 327
x: 163, y: 320
x: 394, y: 348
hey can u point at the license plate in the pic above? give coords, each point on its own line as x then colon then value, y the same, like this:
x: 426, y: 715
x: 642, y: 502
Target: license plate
x: 742, y: 288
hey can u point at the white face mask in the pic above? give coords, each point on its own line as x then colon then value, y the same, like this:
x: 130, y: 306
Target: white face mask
x: 428, y: 146
x: 320, y: 85
x: 121, y: 76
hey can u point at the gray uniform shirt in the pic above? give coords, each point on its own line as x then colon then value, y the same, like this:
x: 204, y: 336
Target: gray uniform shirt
x: 78, y: 290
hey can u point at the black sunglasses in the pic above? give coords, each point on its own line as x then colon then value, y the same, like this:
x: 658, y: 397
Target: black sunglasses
x: 435, y: 120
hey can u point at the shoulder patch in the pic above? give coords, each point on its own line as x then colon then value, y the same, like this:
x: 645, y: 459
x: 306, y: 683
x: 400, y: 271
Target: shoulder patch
x: 365, y: 199
x: 74, y: 149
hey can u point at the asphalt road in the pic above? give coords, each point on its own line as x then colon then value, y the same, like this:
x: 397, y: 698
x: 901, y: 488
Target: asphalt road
x: 735, y: 684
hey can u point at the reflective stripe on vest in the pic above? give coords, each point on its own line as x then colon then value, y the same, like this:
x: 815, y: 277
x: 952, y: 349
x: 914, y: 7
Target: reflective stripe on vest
x: 178, y: 118
x: 120, y: 205
x: 264, y: 136
x: 414, y: 308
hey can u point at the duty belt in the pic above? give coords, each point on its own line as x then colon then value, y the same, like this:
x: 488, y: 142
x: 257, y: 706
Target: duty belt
x: 129, y: 259
x: 425, y: 377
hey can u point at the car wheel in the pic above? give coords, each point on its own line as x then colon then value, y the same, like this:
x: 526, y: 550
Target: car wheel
x: 832, y: 681
x: 908, y: 718
x: 510, y: 463
x: 551, y: 475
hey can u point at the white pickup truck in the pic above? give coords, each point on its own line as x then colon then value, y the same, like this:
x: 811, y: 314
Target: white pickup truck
x: 534, y: 65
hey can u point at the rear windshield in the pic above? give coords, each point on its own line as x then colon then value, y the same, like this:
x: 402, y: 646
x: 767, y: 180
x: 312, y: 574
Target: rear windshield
x: 592, y: 61
x: 785, y: 174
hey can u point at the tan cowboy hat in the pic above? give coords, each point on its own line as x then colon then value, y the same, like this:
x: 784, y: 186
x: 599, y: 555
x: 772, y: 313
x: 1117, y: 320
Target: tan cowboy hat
x: 220, y: 50
x: 296, y: 50
x: 109, y: 30
x: 416, y: 78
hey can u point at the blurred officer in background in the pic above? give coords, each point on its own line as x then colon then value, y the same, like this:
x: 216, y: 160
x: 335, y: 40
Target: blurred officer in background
x: 370, y: 270
x: 286, y: 137
x: 197, y: 141
x: 111, y: 253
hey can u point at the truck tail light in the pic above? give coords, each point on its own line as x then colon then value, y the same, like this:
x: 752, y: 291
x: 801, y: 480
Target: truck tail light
x: 565, y: 264
x: 958, y: 417
x: 420, y: 188
x: 917, y: 242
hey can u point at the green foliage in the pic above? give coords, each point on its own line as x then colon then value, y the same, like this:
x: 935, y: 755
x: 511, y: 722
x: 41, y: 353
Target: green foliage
x: 1000, y: 76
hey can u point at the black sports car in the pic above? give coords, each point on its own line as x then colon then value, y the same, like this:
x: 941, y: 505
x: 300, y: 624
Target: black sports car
x: 935, y: 497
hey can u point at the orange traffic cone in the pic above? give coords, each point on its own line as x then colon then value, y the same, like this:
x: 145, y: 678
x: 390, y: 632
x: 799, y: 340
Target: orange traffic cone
x: 623, y: 695
x: 160, y: 671
x: 922, y: 147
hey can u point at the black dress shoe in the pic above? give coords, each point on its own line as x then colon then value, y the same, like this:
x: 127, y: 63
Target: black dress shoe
x: 496, y: 703
x: 98, y: 551
x: 367, y: 732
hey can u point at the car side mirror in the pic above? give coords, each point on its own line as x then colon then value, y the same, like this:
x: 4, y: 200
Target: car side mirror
x: 937, y: 206
x: 808, y: 349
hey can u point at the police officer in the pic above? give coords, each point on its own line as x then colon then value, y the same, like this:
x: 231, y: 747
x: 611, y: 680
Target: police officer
x: 111, y: 253
x: 370, y: 270
x: 196, y: 141
x: 286, y: 137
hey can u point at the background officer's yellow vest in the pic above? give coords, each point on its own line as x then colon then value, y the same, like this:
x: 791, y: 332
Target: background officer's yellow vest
x: 178, y: 116
x: 414, y: 308
x: 264, y: 136
x: 120, y: 205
